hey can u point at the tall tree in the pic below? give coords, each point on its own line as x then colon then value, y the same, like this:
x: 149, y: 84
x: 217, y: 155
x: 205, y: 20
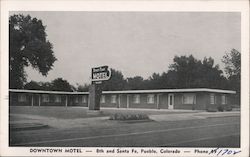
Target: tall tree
x: 191, y: 73
x: 185, y: 69
x: 232, y: 63
x: 211, y: 76
x: 28, y: 46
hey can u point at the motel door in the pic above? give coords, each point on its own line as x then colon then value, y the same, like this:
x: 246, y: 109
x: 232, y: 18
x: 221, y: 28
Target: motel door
x: 170, y: 101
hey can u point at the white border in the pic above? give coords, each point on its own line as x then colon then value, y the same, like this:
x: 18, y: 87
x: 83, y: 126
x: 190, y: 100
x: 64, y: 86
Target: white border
x: 181, y: 5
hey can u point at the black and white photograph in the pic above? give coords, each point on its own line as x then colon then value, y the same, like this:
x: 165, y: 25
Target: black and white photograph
x: 135, y: 82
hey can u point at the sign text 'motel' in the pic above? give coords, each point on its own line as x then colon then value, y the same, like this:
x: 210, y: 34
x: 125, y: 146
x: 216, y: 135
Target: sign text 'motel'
x: 100, y: 73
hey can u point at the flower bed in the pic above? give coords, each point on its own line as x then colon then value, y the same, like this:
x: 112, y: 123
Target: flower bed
x: 120, y: 116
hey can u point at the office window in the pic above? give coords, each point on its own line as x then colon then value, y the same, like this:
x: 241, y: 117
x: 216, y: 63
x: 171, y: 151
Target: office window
x: 58, y: 98
x: 84, y: 99
x: 189, y: 98
x: 212, y: 99
x: 45, y: 98
x: 223, y: 99
x: 22, y: 98
x: 136, y: 99
x: 150, y: 98
x: 113, y: 98
x: 102, y: 99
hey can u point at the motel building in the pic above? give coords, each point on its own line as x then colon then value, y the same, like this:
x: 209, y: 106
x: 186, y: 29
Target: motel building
x: 190, y: 99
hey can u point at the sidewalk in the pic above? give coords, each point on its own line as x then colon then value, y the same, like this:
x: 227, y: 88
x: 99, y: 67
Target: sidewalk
x: 219, y: 114
x: 190, y: 116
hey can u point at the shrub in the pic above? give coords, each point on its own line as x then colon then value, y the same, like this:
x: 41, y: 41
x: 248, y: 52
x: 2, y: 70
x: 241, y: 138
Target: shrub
x: 228, y: 108
x: 220, y: 108
x: 120, y: 116
x: 211, y: 110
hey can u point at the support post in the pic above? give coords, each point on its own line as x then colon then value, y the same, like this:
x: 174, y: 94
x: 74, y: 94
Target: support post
x: 95, y: 92
x: 32, y: 103
x: 119, y: 101
x: 66, y: 101
x: 157, y: 100
x: 88, y: 101
x: 127, y: 101
x: 39, y: 100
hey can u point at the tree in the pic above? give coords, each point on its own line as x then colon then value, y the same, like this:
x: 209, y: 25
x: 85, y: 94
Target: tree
x: 136, y: 82
x: 185, y: 69
x: 83, y: 88
x: 154, y: 81
x: 47, y: 86
x: 209, y: 75
x: 192, y: 73
x: 232, y: 63
x: 60, y: 84
x: 28, y: 46
x: 116, y: 82
x: 33, y: 85
x: 169, y: 79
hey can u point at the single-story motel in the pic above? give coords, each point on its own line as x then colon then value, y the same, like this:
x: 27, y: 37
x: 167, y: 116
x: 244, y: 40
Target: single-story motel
x: 191, y: 99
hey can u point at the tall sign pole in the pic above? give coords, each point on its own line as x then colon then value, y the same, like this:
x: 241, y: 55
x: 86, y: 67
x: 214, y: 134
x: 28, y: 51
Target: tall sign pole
x: 98, y: 75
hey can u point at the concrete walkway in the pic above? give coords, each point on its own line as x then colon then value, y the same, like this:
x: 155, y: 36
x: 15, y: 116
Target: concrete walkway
x: 190, y: 116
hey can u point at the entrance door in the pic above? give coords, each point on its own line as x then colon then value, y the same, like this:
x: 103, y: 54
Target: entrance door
x: 170, y: 101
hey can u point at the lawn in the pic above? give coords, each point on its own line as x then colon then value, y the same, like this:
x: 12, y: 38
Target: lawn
x: 56, y: 112
x: 82, y: 112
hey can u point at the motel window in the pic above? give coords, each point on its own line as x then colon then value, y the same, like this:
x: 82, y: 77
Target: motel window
x: 102, y: 99
x: 58, y: 98
x: 113, y: 99
x: 76, y: 99
x: 136, y: 99
x: 84, y: 99
x: 150, y: 98
x: 223, y: 99
x: 22, y: 98
x: 212, y: 99
x: 45, y: 98
x: 189, y: 98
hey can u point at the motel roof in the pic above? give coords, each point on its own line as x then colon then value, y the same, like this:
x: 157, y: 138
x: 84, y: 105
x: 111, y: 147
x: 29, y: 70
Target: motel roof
x: 189, y: 90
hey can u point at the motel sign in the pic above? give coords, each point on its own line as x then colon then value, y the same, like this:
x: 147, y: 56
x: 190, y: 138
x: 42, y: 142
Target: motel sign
x: 100, y: 73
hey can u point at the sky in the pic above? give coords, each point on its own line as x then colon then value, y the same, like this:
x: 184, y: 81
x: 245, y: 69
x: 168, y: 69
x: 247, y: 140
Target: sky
x: 135, y: 43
